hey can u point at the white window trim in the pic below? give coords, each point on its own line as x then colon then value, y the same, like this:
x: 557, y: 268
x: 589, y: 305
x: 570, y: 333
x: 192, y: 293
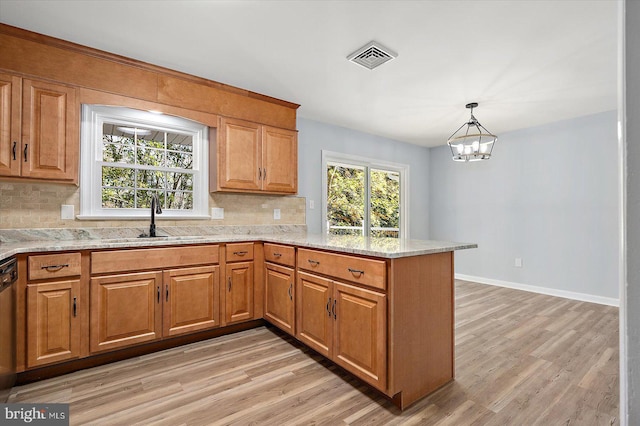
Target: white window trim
x: 356, y: 160
x: 93, y: 116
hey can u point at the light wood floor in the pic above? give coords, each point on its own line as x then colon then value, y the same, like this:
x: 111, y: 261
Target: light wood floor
x: 521, y: 359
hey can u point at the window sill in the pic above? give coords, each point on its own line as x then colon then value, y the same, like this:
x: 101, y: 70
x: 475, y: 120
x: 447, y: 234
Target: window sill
x: 147, y: 217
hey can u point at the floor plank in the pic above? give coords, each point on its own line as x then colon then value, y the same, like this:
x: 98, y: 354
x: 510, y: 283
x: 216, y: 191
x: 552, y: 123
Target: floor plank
x: 521, y: 359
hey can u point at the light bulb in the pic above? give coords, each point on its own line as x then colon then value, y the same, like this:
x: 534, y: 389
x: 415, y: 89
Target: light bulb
x: 475, y: 146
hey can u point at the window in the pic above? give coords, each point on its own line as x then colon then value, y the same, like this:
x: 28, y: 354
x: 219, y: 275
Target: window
x: 364, y: 196
x: 129, y: 155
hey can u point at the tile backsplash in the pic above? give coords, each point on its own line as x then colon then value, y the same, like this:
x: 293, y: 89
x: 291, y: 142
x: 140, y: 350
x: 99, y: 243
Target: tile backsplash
x: 37, y: 205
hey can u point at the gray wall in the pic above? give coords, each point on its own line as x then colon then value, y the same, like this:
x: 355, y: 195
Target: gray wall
x: 549, y: 196
x: 313, y: 137
x: 632, y: 232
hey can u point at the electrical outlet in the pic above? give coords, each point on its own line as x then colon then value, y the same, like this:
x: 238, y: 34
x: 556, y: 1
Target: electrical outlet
x: 276, y: 214
x: 67, y: 212
x: 217, y: 213
x: 518, y: 262
x: 312, y: 204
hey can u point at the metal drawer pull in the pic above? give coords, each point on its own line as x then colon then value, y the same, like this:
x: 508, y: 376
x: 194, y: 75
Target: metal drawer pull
x: 240, y: 253
x: 334, y: 308
x: 229, y: 283
x: 25, y: 152
x: 158, y: 294
x: 54, y: 268
x: 290, y: 294
x: 15, y: 145
x: 75, y: 308
x: 329, y: 307
x: 277, y: 254
x: 356, y: 271
x: 313, y: 262
x: 167, y: 291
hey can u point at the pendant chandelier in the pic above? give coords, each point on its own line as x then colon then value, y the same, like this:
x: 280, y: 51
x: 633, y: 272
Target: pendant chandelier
x: 471, y: 142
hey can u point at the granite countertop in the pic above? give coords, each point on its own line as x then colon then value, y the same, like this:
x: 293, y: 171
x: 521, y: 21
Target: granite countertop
x: 14, y: 242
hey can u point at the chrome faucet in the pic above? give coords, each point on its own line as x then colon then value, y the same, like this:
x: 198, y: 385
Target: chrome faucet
x: 155, y: 209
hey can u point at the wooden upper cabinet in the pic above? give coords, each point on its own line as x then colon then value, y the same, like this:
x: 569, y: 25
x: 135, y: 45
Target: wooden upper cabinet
x: 50, y: 131
x: 40, y: 130
x: 279, y: 160
x: 9, y: 125
x: 239, y: 155
x: 251, y: 157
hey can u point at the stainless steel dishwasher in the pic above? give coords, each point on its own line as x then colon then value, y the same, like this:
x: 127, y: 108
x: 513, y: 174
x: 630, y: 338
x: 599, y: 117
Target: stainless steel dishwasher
x: 8, y: 276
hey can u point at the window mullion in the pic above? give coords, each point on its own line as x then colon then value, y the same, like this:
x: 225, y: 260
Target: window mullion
x: 367, y: 202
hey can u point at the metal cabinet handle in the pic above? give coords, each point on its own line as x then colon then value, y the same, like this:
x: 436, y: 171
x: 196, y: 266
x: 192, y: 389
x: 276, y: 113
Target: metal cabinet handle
x: 158, y: 294
x: 329, y: 307
x: 54, y: 268
x: 240, y: 253
x: 264, y: 174
x: 259, y: 173
x: 15, y: 145
x: 167, y: 291
x: 290, y: 294
x: 356, y: 271
x: 313, y: 262
x: 334, y: 308
x: 25, y: 152
x: 277, y: 254
x: 229, y: 283
x: 75, y: 307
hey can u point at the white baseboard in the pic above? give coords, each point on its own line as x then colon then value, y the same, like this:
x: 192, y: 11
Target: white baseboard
x: 542, y: 290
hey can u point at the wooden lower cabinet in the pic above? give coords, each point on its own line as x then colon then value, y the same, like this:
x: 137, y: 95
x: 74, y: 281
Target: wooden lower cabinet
x: 191, y: 301
x: 126, y: 309
x: 53, y: 325
x: 314, y: 321
x: 345, y: 323
x: 360, y: 336
x: 239, y: 292
x: 279, y: 308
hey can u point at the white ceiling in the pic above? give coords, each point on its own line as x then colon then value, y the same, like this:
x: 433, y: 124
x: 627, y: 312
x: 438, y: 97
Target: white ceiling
x: 527, y: 62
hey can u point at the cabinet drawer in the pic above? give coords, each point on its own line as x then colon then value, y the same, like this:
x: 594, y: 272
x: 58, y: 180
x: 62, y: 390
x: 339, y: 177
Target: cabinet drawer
x: 54, y: 266
x: 157, y: 258
x: 276, y: 253
x: 239, y: 251
x: 351, y: 268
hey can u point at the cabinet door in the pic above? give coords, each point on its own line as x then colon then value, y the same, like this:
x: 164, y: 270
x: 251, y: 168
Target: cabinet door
x: 279, y: 296
x: 360, y: 341
x: 53, y: 329
x: 279, y: 160
x: 239, y: 294
x: 125, y: 310
x: 191, y: 300
x: 50, y: 131
x: 314, y: 322
x: 10, y: 145
x: 239, y: 155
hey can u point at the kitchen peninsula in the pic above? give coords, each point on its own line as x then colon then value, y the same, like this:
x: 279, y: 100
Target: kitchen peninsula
x: 380, y: 308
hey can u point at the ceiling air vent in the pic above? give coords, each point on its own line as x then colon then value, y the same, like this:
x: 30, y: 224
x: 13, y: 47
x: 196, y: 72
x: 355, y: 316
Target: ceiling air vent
x: 372, y: 55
